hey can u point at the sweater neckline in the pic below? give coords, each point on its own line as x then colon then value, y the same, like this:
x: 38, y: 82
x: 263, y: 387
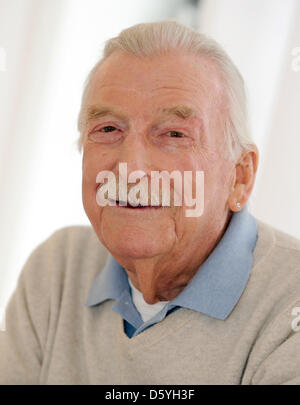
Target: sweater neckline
x: 156, y: 332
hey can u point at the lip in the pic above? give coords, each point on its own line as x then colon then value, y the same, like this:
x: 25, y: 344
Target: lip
x: 138, y: 207
x: 131, y: 207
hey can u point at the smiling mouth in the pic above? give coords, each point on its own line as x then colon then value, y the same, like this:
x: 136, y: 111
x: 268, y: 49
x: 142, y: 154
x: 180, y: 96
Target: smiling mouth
x: 122, y: 204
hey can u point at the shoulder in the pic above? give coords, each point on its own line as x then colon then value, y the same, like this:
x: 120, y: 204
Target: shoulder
x: 277, y: 258
x: 273, y: 239
x: 285, y: 241
x: 273, y: 294
x: 71, y: 236
x: 70, y: 241
x: 70, y: 256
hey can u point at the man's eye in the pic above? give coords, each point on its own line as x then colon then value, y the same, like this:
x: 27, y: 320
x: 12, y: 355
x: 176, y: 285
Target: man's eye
x: 175, y: 134
x: 105, y: 135
x: 108, y: 128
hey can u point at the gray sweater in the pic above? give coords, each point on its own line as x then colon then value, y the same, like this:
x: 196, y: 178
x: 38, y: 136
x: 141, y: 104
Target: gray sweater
x: 51, y: 337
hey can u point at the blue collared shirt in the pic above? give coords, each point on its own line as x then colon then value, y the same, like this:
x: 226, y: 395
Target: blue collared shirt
x: 214, y: 290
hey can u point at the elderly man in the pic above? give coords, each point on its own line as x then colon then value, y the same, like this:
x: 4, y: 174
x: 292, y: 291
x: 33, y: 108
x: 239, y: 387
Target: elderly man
x: 148, y: 294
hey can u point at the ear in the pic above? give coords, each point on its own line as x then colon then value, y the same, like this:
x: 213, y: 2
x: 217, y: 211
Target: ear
x: 243, y: 179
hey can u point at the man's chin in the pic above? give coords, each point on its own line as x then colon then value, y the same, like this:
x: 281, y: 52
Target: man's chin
x: 134, y: 241
x: 134, y: 246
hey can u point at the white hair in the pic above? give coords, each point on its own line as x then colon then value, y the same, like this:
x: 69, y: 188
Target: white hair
x: 150, y: 39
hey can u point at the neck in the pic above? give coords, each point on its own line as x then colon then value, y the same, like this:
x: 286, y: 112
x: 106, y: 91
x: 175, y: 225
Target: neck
x: 163, y: 277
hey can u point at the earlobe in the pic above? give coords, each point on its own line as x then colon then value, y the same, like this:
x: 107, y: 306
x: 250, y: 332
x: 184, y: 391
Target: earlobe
x: 236, y: 200
x: 245, y: 171
x: 234, y: 205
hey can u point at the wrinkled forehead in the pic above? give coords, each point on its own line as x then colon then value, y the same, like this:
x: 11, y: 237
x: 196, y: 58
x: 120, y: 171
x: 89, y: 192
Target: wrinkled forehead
x: 176, y: 71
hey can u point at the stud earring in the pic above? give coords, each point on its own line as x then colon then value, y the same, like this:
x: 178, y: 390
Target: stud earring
x: 238, y: 205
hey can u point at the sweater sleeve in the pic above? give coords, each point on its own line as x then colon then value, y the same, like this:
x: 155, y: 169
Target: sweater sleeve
x: 26, y: 321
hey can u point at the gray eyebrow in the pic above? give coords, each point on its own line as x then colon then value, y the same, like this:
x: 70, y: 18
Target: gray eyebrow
x: 181, y: 111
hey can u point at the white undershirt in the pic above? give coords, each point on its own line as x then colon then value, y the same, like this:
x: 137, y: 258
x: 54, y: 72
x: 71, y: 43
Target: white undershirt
x: 147, y: 311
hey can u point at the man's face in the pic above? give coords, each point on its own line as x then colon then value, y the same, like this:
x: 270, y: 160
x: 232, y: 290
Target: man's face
x: 141, y: 131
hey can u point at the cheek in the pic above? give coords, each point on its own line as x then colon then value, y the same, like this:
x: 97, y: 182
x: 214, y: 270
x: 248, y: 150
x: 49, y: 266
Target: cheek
x: 90, y: 169
x: 219, y: 182
x: 94, y: 161
x: 217, y: 174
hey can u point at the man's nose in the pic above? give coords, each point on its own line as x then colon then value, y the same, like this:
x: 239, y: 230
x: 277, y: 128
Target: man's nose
x: 137, y: 153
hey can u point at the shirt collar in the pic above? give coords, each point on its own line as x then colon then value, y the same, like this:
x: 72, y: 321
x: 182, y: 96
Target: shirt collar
x: 109, y: 284
x: 216, y: 287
